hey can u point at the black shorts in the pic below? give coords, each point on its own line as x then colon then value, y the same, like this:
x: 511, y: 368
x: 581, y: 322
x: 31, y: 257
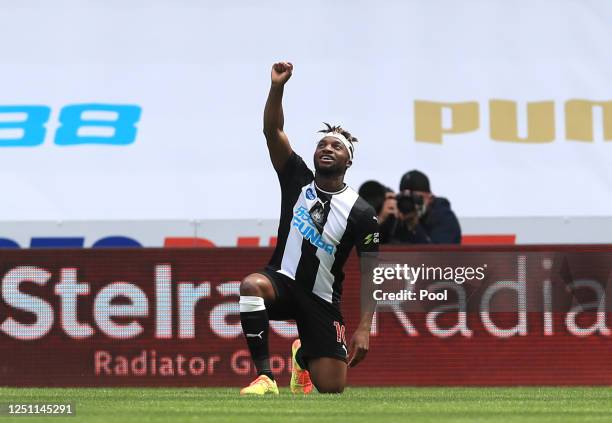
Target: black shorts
x: 320, y: 324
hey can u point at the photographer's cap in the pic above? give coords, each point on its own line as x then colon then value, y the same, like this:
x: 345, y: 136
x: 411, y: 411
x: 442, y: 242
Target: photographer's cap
x: 415, y: 181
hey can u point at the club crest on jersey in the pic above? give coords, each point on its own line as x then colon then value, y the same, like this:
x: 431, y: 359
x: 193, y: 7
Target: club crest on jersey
x: 317, y: 214
x: 310, y: 194
x: 304, y: 222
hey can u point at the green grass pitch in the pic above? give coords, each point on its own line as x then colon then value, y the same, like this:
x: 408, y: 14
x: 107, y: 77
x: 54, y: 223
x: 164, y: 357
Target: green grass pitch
x: 507, y: 405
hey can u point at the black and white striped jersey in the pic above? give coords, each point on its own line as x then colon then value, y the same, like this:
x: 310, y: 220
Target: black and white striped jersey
x: 318, y: 229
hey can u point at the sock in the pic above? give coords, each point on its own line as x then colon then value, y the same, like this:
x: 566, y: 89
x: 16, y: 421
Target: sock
x: 301, y: 361
x: 255, y: 323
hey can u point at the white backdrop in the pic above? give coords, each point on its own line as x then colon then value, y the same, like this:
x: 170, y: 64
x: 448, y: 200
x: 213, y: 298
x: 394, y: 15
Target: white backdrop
x: 200, y: 72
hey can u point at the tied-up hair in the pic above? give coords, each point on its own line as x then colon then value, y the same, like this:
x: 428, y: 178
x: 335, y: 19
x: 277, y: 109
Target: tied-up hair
x: 339, y: 130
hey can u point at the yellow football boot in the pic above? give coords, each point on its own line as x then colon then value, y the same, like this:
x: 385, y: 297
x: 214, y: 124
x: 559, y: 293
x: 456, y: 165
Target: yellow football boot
x: 300, y: 379
x: 263, y: 385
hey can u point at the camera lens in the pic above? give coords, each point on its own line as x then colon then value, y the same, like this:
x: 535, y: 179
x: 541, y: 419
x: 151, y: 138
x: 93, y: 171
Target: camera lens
x: 405, y: 203
x: 408, y: 202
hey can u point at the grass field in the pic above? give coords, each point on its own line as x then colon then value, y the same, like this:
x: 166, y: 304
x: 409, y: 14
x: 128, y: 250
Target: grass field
x: 355, y: 405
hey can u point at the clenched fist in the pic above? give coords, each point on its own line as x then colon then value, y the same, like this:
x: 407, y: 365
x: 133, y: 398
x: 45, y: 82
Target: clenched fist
x: 281, y: 72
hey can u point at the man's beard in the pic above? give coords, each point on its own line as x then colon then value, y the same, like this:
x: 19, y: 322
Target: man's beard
x: 329, y: 171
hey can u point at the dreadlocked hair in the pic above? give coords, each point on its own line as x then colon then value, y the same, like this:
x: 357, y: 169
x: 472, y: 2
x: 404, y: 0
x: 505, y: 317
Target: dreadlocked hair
x: 338, y: 129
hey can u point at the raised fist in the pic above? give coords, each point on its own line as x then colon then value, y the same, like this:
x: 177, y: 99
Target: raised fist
x: 281, y: 72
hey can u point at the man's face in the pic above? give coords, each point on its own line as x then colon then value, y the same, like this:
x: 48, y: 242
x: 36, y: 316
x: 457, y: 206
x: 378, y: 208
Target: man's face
x: 331, y: 157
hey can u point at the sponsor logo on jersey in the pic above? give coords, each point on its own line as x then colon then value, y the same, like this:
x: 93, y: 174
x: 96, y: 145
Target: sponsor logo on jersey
x: 304, y: 223
x: 371, y: 238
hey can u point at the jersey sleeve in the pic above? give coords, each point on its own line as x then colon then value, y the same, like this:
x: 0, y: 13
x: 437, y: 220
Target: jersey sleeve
x: 295, y: 174
x: 367, y: 234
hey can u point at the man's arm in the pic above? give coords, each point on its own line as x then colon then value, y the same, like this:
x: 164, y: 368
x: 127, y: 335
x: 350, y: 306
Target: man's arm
x: 360, y: 341
x: 387, y: 218
x: 367, y: 249
x: 274, y: 120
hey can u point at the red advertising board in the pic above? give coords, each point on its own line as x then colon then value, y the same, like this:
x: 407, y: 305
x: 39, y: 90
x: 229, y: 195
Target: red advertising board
x: 169, y: 317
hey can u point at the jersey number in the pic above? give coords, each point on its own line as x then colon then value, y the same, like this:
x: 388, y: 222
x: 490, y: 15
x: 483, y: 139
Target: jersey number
x: 340, y: 337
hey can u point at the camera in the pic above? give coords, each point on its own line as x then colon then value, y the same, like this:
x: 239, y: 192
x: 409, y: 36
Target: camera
x: 408, y: 202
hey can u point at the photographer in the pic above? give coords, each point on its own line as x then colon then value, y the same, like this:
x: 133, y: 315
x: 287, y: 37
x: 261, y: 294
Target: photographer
x: 422, y: 218
x: 382, y: 199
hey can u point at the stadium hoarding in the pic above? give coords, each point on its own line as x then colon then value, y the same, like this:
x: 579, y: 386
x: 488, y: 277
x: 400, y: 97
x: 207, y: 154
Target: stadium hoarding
x: 262, y: 232
x: 497, y: 89
x: 169, y: 317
